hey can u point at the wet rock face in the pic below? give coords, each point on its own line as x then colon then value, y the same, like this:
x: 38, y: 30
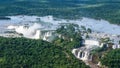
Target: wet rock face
x: 82, y: 54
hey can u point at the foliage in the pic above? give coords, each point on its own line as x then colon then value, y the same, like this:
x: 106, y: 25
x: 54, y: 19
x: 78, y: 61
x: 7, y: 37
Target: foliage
x: 70, y: 9
x: 111, y: 59
x: 105, y: 40
x: 100, y: 49
x: 70, y: 36
x: 27, y: 53
x: 89, y: 30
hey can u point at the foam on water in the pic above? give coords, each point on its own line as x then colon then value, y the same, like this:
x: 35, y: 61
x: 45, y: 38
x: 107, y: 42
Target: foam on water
x: 96, y: 25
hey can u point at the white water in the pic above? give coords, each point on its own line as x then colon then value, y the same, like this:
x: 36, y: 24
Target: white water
x: 96, y: 25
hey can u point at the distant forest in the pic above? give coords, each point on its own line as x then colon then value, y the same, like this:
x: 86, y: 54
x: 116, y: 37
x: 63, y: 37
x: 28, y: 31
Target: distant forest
x: 70, y: 9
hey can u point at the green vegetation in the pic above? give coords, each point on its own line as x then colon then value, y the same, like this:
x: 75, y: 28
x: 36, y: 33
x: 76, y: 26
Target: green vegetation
x: 111, y: 59
x: 27, y: 53
x: 70, y: 36
x: 105, y: 40
x: 71, y: 9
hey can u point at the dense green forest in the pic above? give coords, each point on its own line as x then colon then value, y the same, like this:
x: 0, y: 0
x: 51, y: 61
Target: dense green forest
x: 111, y: 59
x: 27, y: 53
x: 70, y: 36
x: 71, y: 9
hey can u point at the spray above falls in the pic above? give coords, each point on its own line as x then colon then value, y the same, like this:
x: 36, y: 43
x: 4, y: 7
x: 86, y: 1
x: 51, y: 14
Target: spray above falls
x: 28, y: 31
x: 34, y: 31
